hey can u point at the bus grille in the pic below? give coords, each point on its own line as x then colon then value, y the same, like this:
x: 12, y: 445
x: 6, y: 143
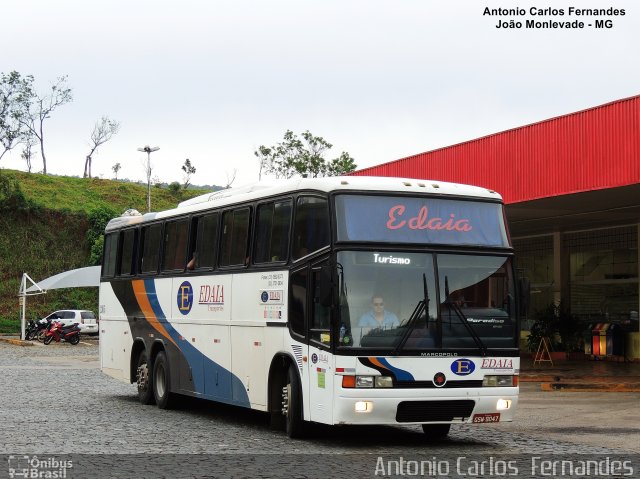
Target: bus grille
x: 426, y: 411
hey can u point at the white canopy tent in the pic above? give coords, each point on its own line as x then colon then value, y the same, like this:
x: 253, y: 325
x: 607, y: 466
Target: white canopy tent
x: 75, y: 278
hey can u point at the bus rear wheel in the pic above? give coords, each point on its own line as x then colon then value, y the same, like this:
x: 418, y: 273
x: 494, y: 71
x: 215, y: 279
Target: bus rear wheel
x: 143, y: 380
x: 292, y: 405
x: 436, y: 431
x: 161, y: 383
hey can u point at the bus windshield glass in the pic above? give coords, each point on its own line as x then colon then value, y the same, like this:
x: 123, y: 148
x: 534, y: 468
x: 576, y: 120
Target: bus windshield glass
x: 416, y: 302
x: 421, y: 220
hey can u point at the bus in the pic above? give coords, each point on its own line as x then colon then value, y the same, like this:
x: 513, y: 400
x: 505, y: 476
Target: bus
x: 337, y: 300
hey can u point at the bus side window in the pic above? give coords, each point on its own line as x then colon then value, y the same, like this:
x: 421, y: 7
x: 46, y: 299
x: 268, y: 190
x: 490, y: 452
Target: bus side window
x: 298, y: 301
x: 311, y: 226
x: 128, y: 240
x: 151, y: 240
x: 235, y: 237
x: 110, y: 255
x: 204, y: 242
x: 175, y: 245
x: 272, y: 232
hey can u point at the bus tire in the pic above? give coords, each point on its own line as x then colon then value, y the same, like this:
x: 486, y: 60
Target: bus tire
x: 294, y: 422
x: 161, y: 383
x: 436, y: 431
x: 144, y: 380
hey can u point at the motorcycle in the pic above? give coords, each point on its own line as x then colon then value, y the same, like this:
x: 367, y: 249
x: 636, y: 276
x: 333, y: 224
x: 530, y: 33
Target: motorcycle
x: 36, y: 329
x: 59, y: 332
x: 31, y: 330
x: 42, y: 327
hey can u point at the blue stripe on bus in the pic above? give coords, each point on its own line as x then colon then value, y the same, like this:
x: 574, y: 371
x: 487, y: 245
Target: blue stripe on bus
x: 400, y: 374
x: 197, y: 361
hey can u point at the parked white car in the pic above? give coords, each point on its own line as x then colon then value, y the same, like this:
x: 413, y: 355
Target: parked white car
x: 87, y: 321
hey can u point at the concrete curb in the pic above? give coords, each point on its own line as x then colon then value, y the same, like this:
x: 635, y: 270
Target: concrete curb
x: 590, y: 387
x: 16, y: 342
x: 576, y: 383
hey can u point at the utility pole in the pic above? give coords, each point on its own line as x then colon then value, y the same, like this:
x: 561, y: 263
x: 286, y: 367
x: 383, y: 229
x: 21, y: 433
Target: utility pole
x: 148, y: 150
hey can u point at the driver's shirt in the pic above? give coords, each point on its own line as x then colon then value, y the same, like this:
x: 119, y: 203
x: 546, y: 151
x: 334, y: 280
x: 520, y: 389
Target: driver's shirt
x: 368, y: 320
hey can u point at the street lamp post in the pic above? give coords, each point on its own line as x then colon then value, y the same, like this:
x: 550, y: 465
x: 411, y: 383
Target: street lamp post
x: 148, y: 150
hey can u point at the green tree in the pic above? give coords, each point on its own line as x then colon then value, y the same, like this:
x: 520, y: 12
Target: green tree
x: 174, y: 187
x: 188, y: 170
x: 15, y: 92
x: 116, y: 168
x: 98, y: 219
x: 39, y: 108
x: 11, y: 196
x: 305, y: 157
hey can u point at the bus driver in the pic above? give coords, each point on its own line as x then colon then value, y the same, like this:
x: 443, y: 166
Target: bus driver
x: 378, y: 317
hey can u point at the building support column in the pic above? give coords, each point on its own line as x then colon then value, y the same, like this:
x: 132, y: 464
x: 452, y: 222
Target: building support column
x: 558, y: 269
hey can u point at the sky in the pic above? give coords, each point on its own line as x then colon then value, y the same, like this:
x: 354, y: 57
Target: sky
x: 213, y: 80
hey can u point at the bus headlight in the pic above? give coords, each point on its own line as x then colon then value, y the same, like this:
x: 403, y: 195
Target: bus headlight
x: 363, y: 406
x: 499, y: 381
x: 503, y: 404
x: 384, y: 382
x: 364, y: 381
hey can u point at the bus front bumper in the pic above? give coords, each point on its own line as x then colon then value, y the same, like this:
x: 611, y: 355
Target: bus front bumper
x: 419, y: 406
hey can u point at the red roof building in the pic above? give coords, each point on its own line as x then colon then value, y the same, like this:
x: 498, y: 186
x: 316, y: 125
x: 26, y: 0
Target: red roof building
x: 571, y: 185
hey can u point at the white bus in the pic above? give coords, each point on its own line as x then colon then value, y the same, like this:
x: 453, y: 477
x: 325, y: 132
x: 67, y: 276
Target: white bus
x: 341, y: 300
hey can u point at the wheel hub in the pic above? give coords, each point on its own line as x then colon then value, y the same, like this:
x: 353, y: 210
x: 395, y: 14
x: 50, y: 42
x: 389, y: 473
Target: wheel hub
x: 286, y: 394
x: 143, y: 377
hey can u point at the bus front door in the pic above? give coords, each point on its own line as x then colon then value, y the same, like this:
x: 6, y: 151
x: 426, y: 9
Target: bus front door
x: 321, y: 367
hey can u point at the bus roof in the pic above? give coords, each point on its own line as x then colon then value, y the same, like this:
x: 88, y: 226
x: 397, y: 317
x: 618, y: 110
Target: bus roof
x: 269, y: 188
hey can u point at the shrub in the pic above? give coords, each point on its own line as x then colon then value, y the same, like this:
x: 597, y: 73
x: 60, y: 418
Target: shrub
x: 556, y: 323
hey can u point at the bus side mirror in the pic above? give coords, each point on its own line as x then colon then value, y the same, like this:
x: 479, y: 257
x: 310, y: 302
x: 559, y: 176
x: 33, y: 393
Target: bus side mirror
x: 524, y: 290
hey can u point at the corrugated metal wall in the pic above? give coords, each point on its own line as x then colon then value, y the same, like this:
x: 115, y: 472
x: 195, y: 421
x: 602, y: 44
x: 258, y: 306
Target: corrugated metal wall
x: 588, y: 150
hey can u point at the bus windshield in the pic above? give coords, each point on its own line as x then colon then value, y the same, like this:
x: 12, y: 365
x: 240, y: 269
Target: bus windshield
x: 415, y: 302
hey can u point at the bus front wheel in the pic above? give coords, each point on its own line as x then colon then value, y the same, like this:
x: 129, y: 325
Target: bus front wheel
x: 161, y: 383
x: 292, y: 402
x: 436, y: 431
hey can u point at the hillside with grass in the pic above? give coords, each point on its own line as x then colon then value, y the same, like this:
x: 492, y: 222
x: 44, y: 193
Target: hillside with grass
x: 50, y: 224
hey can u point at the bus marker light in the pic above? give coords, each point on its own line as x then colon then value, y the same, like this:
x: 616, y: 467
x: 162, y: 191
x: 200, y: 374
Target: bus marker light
x: 363, y: 406
x: 503, y: 404
x: 348, y: 381
x: 345, y: 370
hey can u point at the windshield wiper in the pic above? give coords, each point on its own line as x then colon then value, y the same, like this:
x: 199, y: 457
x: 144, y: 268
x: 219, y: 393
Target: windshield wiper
x: 453, y: 306
x: 422, y: 306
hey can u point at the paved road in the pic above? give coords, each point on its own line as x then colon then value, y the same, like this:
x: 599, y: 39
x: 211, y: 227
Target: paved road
x: 55, y: 401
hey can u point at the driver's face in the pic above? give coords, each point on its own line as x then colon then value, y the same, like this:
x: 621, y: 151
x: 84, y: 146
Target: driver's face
x: 378, y: 304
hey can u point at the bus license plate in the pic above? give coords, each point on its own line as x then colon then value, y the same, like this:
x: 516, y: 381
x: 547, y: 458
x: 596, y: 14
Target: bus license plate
x: 484, y: 418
